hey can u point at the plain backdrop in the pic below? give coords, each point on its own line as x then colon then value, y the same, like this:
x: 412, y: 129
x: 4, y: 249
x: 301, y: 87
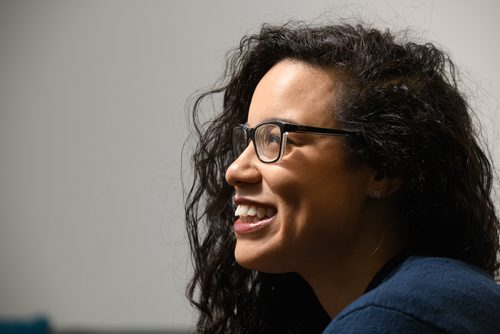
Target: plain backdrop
x: 93, y: 99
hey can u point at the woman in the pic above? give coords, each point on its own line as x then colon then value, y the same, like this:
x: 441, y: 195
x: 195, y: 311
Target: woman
x: 341, y: 188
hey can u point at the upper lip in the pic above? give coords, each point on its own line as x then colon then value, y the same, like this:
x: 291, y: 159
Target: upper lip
x: 242, y: 200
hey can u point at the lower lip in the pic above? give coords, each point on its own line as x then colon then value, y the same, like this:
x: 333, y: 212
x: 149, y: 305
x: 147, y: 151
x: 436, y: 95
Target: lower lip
x: 240, y: 227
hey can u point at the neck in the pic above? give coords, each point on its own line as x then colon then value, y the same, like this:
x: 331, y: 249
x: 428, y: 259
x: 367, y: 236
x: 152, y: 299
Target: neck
x: 340, y: 280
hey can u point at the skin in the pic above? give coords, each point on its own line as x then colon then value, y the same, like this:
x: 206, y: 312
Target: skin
x: 329, y: 227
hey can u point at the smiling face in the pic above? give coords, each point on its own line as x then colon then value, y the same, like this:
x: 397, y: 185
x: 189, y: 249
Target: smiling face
x: 308, y: 207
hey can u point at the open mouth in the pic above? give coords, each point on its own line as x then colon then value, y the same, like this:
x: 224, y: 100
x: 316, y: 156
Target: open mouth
x: 254, y: 213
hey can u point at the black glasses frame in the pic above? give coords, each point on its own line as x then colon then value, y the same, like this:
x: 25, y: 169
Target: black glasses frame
x: 286, y: 128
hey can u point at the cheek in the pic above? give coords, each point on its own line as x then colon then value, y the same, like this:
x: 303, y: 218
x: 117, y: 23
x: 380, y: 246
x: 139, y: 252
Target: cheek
x: 301, y: 199
x: 320, y: 200
x: 299, y: 188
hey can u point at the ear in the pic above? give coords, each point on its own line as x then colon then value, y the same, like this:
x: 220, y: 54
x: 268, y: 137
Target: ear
x: 382, y: 186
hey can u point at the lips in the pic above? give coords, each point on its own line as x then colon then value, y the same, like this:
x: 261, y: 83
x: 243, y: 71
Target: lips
x: 253, y: 217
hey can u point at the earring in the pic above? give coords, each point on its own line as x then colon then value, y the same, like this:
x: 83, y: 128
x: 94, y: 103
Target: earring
x: 376, y: 193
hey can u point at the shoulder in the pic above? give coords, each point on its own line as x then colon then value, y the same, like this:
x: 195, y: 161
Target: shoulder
x: 426, y: 294
x: 435, y: 279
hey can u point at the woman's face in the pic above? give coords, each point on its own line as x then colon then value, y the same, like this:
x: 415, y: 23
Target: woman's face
x: 308, y: 207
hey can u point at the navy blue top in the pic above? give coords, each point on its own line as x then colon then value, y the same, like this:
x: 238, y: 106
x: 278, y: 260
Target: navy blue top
x: 425, y: 295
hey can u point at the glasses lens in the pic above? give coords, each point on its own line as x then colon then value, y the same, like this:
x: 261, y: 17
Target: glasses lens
x: 268, y: 142
x: 240, y: 141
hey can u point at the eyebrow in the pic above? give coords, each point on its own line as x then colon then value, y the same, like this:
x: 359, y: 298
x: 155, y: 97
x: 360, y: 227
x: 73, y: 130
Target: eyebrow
x: 276, y: 119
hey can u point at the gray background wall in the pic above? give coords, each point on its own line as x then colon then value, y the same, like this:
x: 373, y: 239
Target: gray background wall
x: 92, y: 119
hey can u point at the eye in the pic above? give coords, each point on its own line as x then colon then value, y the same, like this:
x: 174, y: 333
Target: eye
x: 272, y: 138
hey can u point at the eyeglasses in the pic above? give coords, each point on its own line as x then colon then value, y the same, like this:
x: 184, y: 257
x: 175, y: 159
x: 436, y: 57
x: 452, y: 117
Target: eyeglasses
x: 269, y: 138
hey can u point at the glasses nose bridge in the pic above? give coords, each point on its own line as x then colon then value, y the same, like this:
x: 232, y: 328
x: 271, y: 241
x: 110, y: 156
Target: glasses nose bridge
x: 250, y: 135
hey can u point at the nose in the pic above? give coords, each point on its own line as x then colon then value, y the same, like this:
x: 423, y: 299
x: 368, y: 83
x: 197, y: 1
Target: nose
x: 243, y: 169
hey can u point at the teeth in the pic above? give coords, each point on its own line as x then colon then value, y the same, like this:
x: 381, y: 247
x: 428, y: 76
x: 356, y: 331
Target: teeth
x: 261, y: 212
x: 241, y: 210
x: 255, y: 212
x: 270, y: 212
x: 252, y: 211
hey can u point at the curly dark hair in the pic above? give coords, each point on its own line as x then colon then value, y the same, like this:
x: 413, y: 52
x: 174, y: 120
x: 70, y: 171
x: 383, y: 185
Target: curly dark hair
x: 415, y: 125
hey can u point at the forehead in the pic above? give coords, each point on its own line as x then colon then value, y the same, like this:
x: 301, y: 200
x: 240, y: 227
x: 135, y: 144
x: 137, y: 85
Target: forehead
x: 295, y: 91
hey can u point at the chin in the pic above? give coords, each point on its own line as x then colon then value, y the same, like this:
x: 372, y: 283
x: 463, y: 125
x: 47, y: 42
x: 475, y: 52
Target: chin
x: 246, y: 257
